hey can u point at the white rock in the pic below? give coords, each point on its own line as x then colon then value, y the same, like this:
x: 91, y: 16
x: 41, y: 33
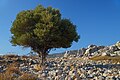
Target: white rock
x: 66, y: 54
x: 70, y: 72
x: 56, y: 77
x: 101, y: 78
x: 44, y: 74
x: 113, y: 55
x: 104, y: 54
x: 118, y: 44
x: 52, y: 73
x: 117, y: 52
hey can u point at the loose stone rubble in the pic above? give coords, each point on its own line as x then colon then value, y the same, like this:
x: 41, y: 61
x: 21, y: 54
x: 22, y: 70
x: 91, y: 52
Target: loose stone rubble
x: 70, y: 67
x: 93, y: 50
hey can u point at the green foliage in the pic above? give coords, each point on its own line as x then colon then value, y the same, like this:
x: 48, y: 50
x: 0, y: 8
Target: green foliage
x: 43, y: 29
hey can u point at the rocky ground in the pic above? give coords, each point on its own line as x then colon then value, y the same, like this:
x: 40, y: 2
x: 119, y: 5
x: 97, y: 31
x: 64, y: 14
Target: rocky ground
x: 71, y: 66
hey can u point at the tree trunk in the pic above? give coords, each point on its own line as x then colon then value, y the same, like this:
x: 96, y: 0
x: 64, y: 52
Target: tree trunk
x: 42, y: 58
x: 39, y: 59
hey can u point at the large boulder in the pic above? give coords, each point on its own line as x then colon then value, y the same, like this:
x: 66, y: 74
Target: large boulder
x: 106, y: 53
x: 91, y: 49
x: 100, y: 47
x: 113, y: 54
x: 113, y: 48
x: 91, y: 46
x: 95, y: 53
x: 103, y: 50
x: 81, y: 52
x: 118, y: 44
x: 117, y: 53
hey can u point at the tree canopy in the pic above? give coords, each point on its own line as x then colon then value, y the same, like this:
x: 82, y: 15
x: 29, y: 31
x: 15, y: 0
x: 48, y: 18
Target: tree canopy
x: 43, y: 29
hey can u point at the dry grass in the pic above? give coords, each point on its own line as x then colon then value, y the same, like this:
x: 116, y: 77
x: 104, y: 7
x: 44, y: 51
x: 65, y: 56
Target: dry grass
x: 37, y: 67
x: 2, y: 62
x: 7, y: 75
x: 14, y: 69
x: 114, y: 59
x: 26, y: 76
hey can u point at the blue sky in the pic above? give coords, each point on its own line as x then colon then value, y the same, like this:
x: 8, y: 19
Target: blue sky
x: 98, y: 21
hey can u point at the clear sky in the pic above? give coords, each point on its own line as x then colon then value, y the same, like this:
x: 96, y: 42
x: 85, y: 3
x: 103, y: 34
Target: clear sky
x: 98, y: 21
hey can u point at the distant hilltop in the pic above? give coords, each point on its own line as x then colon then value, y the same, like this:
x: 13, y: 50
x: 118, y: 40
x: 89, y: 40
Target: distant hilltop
x: 92, y: 50
x: 1, y: 54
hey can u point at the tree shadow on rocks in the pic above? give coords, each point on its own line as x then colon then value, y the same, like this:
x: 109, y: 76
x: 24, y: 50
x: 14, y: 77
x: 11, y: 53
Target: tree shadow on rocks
x: 117, y: 66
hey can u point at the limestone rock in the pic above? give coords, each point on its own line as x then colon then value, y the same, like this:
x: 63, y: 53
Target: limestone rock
x: 66, y: 54
x: 118, y: 44
x: 113, y: 48
x: 117, y: 53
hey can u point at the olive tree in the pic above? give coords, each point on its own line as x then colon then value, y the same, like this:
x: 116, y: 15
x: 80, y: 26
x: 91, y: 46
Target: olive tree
x: 42, y: 29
